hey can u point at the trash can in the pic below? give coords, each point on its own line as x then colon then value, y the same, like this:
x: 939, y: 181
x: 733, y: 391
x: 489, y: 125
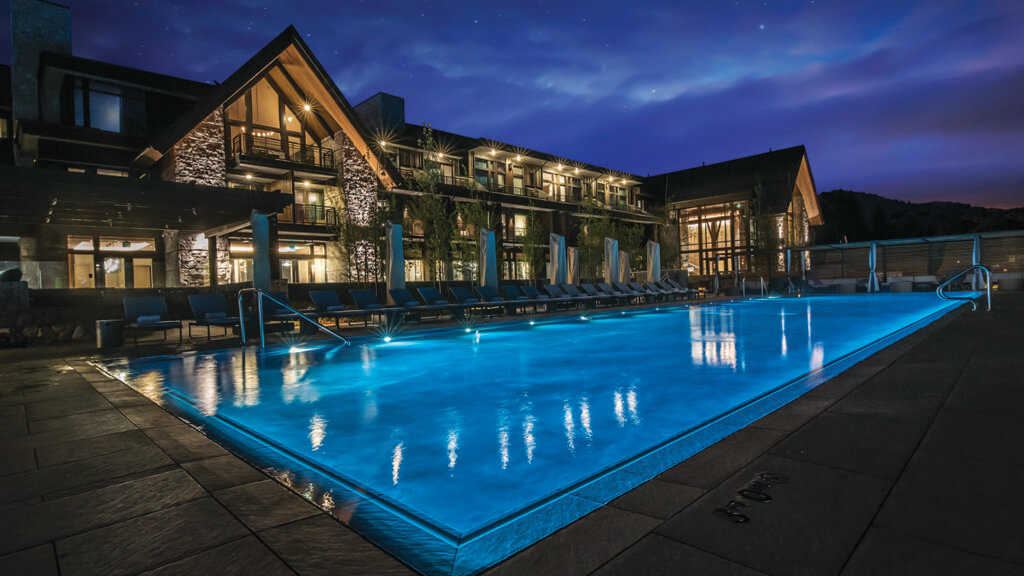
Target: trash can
x: 109, y: 333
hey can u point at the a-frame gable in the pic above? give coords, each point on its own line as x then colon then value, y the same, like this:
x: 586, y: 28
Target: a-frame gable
x: 302, y: 81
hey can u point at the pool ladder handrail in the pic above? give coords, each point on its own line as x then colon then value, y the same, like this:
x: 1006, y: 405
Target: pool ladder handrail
x: 764, y: 287
x: 988, y: 287
x: 260, y: 295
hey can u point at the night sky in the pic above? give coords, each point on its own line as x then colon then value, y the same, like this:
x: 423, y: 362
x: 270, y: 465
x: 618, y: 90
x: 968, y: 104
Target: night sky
x: 911, y: 100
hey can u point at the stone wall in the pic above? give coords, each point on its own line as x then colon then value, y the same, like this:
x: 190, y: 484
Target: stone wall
x: 187, y: 260
x: 358, y: 184
x: 199, y: 156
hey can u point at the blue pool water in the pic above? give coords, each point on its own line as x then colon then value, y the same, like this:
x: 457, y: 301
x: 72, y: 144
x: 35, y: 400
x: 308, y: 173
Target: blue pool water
x: 454, y: 449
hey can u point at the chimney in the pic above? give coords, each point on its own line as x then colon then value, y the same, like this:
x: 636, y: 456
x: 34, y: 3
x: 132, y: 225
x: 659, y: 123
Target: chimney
x: 382, y: 113
x: 36, y: 26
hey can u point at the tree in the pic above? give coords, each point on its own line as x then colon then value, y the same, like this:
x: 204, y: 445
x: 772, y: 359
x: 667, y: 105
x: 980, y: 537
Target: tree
x: 595, y: 225
x: 432, y: 209
x: 534, y: 241
x: 631, y: 239
x: 475, y: 216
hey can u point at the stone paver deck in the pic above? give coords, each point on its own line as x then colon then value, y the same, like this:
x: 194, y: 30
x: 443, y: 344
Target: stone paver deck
x: 908, y: 463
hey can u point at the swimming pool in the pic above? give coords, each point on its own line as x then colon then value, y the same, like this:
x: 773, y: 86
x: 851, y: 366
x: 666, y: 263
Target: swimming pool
x: 455, y: 448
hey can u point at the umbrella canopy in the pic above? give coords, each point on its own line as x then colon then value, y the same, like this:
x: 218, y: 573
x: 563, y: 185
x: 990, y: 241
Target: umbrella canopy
x: 977, y: 281
x: 625, y: 259
x: 558, y: 271
x: 488, y: 260
x: 260, y: 251
x: 572, y: 260
x: 653, y: 261
x: 611, y: 260
x: 872, y: 262
x: 395, y: 258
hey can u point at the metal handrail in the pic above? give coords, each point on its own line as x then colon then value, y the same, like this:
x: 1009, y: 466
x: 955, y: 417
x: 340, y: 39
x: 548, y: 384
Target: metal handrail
x: 260, y: 295
x: 988, y: 287
x: 764, y: 288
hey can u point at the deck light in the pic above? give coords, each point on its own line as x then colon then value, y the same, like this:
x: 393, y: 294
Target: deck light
x: 468, y: 330
x: 532, y: 322
x: 387, y: 339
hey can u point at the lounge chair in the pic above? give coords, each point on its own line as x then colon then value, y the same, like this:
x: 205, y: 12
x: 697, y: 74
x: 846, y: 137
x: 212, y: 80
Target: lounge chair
x: 638, y: 296
x: 607, y: 290
x: 488, y: 294
x: 654, y: 289
x: 367, y: 300
x: 403, y: 297
x: 598, y: 295
x: 148, y: 313
x: 685, y: 289
x: 519, y: 299
x: 511, y: 292
x: 647, y: 292
x: 463, y: 296
x: 210, y: 310
x: 575, y: 294
x: 560, y: 297
x: 532, y: 292
x: 328, y: 305
x: 676, y: 293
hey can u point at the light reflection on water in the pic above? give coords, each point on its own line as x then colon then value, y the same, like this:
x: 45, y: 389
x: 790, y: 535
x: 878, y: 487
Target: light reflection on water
x: 438, y: 425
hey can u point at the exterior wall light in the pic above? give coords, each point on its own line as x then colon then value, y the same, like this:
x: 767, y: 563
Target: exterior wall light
x: 248, y: 176
x: 307, y: 107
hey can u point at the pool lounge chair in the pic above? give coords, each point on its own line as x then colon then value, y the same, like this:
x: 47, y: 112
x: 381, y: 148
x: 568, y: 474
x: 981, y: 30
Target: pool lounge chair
x: 690, y: 294
x: 148, y: 313
x: 607, y: 290
x: 520, y: 300
x: 432, y: 296
x: 403, y: 297
x: 676, y: 293
x: 328, y: 304
x: 637, y: 296
x: 366, y: 300
x: 649, y: 293
x: 210, y: 310
x: 560, y: 297
x: 534, y: 294
x: 575, y: 294
x: 463, y: 296
x: 488, y: 294
x: 600, y: 296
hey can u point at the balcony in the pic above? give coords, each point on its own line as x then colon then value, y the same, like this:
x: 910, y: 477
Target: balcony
x: 271, y: 148
x: 309, y: 215
x: 514, y: 234
x: 467, y: 183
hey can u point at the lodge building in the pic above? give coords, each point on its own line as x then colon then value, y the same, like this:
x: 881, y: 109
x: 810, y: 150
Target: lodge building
x: 115, y: 177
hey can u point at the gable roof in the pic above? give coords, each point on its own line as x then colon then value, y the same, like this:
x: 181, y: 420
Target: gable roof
x: 292, y: 52
x: 779, y: 173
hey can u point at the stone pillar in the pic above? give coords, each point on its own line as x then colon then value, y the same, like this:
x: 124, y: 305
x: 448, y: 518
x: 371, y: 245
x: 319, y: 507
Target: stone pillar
x: 211, y: 248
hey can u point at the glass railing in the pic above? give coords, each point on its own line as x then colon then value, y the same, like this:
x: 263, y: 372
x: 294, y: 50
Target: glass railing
x: 272, y: 148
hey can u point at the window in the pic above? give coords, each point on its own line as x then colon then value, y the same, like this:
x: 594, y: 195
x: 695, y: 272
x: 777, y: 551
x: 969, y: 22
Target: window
x: 3, y: 128
x: 118, y: 173
x: 97, y: 105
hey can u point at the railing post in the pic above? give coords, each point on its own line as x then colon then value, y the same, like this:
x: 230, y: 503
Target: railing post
x: 259, y: 308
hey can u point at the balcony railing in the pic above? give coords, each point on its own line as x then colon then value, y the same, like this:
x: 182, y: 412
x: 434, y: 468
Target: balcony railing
x: 467, y: 183
x: 272, y: 148
x: 310, y: 215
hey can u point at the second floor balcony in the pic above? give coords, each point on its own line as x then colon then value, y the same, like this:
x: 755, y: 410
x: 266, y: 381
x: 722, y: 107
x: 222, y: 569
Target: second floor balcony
x: 413, y: 179
x: 309, y: 215
x: 272, y: 148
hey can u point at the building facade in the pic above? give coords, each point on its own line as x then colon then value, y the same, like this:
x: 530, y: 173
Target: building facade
x: 115, y: 177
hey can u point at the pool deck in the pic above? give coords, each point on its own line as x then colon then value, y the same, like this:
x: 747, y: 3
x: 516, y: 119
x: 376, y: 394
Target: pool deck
x: 910, y: 462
